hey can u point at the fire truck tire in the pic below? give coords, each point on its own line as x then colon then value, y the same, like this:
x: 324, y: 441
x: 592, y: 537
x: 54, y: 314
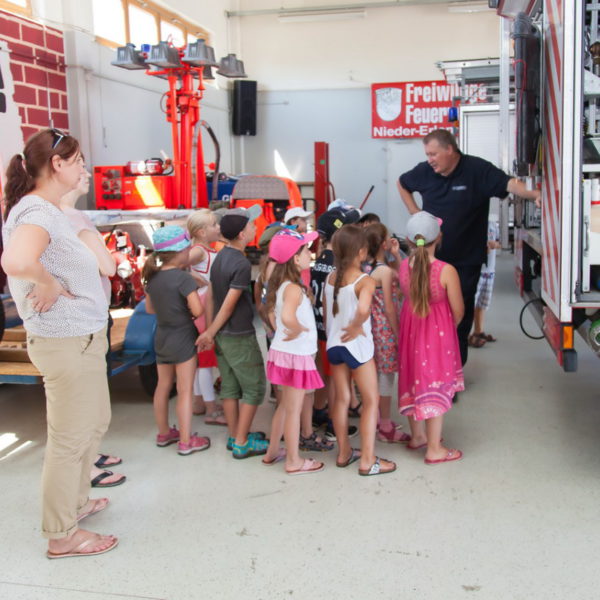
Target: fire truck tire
x: 149, y: 379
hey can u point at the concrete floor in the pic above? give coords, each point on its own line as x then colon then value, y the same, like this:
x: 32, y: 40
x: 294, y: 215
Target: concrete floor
x: 517, y: 518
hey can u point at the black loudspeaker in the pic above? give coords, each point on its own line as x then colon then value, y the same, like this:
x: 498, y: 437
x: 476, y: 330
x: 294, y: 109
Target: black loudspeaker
x: 244, y: 107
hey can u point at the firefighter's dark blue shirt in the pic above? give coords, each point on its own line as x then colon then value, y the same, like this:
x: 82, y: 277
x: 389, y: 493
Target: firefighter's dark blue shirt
x: 462, y: 201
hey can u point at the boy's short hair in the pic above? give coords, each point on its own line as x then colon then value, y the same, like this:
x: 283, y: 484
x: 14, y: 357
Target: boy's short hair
x: 369, y: 218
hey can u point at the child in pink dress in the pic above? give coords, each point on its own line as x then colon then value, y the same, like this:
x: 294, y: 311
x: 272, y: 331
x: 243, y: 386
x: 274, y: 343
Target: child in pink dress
x: 430, y: 371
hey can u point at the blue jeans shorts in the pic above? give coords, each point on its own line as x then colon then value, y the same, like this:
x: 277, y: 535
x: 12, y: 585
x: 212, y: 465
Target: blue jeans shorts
x: 338, y: 355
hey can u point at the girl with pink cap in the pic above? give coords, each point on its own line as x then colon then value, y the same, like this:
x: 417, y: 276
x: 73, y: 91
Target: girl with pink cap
x: 290, y: 362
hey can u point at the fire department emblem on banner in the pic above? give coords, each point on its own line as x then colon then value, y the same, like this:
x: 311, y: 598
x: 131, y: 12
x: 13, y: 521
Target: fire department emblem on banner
x: 388, y: 103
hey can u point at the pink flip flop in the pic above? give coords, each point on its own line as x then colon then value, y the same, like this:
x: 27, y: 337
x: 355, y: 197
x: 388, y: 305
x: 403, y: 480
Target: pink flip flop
x: 409, y: 447
x: 308, y: 466
x: 453, y: 454
x: 424, y: 445
x: 79, y: 550
x: 280, y: 456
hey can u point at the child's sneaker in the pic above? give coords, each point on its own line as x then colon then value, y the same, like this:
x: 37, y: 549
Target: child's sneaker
x: 196, y: 444
x: 253, y: 447
x: 330, y: 433
x: 253, y: 435
x: 167, y: 438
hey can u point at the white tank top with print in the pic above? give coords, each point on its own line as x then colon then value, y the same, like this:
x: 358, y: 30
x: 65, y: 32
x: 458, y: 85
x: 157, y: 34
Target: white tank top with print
x: 360, y: 347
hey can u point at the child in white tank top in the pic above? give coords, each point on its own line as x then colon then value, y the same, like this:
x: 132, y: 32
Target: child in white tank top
x: 348, y: 295
x: 290, y: 362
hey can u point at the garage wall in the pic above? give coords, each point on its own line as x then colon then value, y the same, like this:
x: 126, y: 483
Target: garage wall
x: 115, y: 113
x: 389, y: 44
x: 314, y: 85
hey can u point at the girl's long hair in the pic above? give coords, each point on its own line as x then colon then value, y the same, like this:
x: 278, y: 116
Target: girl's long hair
x: 281, y: 273
x: 154, y: 263
x: 347, y: 242
x: 23, y: 173
x: 377, y: 233
x: 419, y: 291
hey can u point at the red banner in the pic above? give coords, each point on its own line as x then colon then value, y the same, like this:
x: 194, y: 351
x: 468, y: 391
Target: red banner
x: 412, y: 109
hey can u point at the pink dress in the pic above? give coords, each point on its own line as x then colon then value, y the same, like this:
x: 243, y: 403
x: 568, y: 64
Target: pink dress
x: 429, y: 366
x: 386, y: 345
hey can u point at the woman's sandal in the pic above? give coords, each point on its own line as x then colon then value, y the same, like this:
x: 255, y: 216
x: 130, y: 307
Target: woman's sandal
x: 105, y: 461
x: 377, y: 469
x: 354, y: 456
x: 476, y: 341
x: 79, y: 550
x: 314, y: 443
x: 98, y: 504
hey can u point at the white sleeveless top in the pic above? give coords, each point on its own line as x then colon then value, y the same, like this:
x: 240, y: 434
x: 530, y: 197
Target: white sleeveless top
x: 360, y: 347
x: 204, y: 267
x: 306, y: 343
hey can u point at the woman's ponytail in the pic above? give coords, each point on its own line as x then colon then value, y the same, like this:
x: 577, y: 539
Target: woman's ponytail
x: 36, y: 159
x: 18, y: 182
x: 419, y: 279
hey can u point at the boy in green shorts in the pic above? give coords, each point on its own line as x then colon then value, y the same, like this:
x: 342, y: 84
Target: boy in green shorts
x: 238, y: 354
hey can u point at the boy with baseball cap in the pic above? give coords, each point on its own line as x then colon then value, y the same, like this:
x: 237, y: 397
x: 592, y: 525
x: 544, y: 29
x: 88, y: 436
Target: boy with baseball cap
x: 327, y: 224
x: 297, y: 217
x: 238, y: 354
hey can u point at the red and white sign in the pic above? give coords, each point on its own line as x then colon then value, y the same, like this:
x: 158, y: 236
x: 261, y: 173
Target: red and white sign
x: 412, y: 109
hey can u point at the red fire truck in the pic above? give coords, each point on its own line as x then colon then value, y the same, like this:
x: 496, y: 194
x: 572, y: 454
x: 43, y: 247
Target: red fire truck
x: 557, y: 104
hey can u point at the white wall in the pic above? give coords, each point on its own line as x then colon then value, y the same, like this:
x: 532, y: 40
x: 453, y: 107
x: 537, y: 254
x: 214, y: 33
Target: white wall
x: 390, y: 44
x: 289, y: 122
x: 315, y: 86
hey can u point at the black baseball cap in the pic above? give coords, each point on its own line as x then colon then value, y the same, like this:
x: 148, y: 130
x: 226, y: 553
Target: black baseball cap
x: 335, y: 218
x: 235, y: 219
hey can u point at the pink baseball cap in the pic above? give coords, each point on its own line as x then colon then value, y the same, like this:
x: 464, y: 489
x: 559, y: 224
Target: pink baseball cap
x: 287, y: 242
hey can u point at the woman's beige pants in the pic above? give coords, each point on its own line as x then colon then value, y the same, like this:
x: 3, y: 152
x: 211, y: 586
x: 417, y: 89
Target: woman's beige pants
x: 78, y: 414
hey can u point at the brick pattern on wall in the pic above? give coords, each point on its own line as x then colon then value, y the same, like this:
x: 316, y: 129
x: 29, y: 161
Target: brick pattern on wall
x: 37, y: 62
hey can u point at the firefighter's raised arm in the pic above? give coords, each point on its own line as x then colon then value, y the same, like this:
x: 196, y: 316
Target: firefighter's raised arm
x: 408, y: 199
x: 518, y: 187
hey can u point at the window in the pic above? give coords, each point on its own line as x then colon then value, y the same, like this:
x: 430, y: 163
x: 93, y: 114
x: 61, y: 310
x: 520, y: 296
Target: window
x: 117, y: 22
x: 172, y: 33
x: 109, y: 21
x: 17, y: 6
x: 143, y: 26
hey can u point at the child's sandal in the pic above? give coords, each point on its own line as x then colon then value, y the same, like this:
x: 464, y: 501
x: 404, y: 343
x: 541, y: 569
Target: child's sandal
x: 315, y: 444
x: 216, y: 417
x: 354, y: 411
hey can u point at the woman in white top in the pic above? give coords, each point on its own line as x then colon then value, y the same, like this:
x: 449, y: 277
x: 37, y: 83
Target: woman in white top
x: 290, y: 362
x: 55, y: 283
x: 348, y: 295
x: 86, y: 231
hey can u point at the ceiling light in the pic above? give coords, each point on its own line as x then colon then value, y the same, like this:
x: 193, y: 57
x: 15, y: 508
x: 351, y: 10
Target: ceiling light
x: 468, y: 7
x: 309, y: 16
